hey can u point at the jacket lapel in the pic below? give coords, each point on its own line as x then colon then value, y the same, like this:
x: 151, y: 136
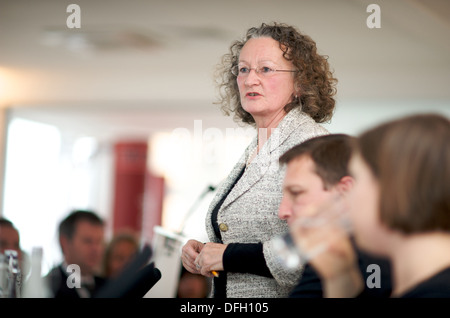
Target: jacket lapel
x: 266, y: 159
x: 225, y: 186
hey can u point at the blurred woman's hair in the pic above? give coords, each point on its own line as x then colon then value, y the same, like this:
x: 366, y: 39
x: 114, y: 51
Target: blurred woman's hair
x: 410, y: 158
x: 125, y: 236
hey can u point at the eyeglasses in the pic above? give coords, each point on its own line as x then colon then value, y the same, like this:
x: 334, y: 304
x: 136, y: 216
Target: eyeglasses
x: 264, y: 71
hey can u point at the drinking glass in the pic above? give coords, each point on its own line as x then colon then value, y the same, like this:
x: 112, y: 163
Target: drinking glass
x: 315, y: 218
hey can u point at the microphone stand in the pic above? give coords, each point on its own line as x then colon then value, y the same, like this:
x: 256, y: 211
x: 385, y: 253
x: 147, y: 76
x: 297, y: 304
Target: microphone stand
x: 208, y: 189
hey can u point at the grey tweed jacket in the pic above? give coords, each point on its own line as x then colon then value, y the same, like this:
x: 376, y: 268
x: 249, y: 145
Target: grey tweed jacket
x: 250, y: 212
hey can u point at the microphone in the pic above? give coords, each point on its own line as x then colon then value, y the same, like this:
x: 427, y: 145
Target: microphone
x: 136, y: 279
x: 143, y: 282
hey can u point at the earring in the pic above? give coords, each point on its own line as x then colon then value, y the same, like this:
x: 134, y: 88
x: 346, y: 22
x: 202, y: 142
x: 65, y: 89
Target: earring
x: 297, y: 100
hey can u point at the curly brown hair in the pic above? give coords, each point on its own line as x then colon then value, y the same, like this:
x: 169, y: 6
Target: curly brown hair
x: 315, y: 81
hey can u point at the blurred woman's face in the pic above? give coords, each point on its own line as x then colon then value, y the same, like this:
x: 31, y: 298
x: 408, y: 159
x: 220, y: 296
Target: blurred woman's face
x: 122, y: 253
x: 264, y: 95
x: 364, y: 207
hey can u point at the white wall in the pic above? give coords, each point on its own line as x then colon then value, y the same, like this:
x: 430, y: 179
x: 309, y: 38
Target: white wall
x: 355, y: 116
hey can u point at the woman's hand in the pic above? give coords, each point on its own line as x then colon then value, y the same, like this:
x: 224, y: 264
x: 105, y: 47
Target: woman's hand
x: 189, y: 254
x: 336, y: 263
x: 210, y: 258
x: 199, y: 258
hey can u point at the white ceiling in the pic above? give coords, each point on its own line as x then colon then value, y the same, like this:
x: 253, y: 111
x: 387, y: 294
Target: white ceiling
x: 141, y: 62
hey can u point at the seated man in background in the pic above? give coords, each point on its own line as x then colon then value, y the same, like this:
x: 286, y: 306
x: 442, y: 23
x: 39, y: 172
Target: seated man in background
x: 10, y: 240
x: 317, y: 175
x: 81, y: 237
x: 9, y: 237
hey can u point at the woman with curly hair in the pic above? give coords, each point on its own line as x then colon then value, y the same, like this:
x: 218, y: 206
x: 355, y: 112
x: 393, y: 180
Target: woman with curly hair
x: 274, y: 80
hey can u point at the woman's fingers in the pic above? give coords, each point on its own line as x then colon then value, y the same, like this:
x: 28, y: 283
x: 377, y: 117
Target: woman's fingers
x: 189, y: 254
x: 199, y: 258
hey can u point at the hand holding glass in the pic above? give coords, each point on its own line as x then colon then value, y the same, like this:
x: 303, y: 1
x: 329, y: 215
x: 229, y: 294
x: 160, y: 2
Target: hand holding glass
x: 312, y: 232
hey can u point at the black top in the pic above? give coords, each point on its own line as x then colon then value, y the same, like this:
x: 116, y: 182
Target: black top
x: 377, y: 279
x: 238, y: 257
x: 437, y: 286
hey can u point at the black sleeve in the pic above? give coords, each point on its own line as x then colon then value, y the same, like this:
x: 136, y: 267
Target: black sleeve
x: 245, y: 258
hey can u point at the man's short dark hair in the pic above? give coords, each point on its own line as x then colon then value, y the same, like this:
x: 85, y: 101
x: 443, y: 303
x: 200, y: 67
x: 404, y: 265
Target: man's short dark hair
x: 68, y: 225
x: 330, y: 154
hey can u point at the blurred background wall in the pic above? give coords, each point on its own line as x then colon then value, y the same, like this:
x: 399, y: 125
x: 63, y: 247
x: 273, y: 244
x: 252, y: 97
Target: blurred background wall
x: 118, y: 115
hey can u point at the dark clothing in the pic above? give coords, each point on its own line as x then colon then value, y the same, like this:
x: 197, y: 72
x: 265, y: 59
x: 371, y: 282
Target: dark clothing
x: 384, y: 289
x: 437, y: 286
x: 310, y: 286
x: 246, y: 258
x: 57, y: 281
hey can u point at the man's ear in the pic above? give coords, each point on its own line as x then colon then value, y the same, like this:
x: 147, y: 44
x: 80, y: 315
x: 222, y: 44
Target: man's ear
x: 63, y: 241
x: 345, y: 184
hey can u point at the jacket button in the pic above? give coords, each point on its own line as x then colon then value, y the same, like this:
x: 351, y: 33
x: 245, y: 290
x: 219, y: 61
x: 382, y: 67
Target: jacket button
x: 223, y: 227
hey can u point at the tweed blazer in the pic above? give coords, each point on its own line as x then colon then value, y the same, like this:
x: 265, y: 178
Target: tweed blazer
x: 249, y: 214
